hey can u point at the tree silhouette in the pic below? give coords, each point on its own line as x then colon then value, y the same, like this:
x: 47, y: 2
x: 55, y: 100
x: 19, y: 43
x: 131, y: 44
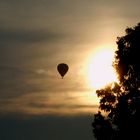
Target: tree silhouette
x: 119, y: 115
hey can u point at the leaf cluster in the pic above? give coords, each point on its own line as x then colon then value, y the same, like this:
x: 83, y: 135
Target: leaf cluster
x: 121, y: 101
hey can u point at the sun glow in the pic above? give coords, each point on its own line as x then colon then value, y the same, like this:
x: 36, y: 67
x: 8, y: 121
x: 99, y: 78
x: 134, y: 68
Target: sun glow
x: 100, y: 71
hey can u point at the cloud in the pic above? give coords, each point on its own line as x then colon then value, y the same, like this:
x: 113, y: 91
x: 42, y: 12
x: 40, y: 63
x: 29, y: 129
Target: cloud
x: 58, y: 106
x: 16, y: 82
x: 45, y: 72
x: 47, y: 103
x: 46, y: 127
x: 8, y: 36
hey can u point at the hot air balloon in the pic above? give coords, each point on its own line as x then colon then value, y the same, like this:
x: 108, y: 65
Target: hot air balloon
x: 62, y: 68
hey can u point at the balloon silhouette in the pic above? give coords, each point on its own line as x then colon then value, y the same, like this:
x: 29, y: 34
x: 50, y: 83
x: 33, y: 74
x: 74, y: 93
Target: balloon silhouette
x: 62, y: 69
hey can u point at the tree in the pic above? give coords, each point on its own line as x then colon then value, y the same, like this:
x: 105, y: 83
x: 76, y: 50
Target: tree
x: 119, y: 116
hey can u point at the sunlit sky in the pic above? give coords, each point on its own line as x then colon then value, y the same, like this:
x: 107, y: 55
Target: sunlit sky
x: 37, y: 35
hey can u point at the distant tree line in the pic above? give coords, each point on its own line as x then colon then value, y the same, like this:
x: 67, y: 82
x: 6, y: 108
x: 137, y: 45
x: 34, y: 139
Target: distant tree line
x: 119, y: 108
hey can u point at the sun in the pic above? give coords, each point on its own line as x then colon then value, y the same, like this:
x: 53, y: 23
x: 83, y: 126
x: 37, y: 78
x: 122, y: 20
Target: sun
x: 100, y: 71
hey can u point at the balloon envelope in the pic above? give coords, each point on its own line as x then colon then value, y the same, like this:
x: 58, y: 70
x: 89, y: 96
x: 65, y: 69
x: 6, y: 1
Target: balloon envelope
x: 62, y: 69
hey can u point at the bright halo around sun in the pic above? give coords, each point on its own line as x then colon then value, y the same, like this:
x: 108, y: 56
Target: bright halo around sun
x: 100, y: 71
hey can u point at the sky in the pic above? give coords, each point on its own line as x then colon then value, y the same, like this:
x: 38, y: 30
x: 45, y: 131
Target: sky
x: 37, y: 35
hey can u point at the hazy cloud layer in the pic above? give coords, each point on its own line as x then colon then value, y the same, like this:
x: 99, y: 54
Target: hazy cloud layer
x: 27, y: 36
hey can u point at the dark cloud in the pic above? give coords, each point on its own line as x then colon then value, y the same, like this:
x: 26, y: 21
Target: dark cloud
x: 9, y: 36
x: 46, y: 127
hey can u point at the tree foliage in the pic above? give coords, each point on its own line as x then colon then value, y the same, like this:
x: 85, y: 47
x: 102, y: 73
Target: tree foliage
x: 120, y: 102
